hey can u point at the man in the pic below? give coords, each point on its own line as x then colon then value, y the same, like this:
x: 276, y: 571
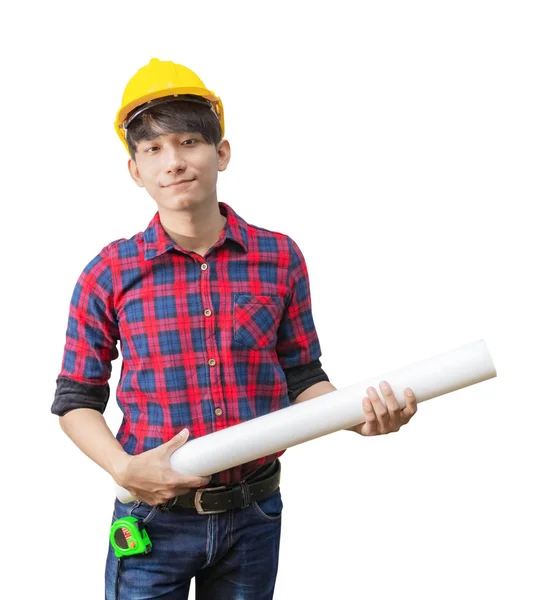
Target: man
x: 214, y: 320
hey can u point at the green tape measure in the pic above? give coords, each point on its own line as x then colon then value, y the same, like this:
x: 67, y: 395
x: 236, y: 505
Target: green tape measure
x: 128, y: 537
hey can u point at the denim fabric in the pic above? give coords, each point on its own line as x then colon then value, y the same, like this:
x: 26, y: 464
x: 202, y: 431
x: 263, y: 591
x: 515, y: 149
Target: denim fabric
x: 232, y: 555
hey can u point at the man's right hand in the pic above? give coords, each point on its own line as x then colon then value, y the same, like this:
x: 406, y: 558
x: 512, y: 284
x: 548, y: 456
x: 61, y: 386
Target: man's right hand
x: 150, y: 478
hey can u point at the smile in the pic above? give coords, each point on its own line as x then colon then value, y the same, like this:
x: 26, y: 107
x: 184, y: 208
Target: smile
x: 180, y: 183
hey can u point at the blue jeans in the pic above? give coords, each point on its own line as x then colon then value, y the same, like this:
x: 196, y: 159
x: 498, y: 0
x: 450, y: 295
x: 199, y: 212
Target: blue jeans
x: 233, y: 555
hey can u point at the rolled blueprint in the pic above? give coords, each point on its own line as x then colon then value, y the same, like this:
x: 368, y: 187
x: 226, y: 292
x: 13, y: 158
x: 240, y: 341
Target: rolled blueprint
x: 328, y: 413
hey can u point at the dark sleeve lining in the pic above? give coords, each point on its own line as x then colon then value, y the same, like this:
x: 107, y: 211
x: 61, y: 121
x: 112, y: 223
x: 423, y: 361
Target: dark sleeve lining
x: 71, y: 394
x: 304, y: 376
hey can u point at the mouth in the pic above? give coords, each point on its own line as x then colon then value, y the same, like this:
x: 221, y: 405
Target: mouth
x: 180, y: 183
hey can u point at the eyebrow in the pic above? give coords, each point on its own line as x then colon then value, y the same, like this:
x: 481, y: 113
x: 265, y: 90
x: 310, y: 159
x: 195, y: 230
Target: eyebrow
x: 154, y: 139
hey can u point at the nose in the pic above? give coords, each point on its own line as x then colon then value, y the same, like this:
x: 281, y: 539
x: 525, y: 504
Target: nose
x: 174, y: 160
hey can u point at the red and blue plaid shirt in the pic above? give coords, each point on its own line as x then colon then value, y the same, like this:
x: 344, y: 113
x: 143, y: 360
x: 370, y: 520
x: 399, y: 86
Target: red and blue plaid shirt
x: 205, y: 341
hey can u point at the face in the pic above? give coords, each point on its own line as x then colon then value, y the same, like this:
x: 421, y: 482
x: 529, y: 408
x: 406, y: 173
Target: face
x: 179, y: 170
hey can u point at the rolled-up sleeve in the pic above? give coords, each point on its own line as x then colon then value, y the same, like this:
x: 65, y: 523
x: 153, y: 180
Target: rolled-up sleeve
x: 91, y: 338
x: 297, y: 342
x: 303, y: 377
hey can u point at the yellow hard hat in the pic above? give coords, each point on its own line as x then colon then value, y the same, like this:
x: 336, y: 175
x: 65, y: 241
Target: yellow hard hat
x: 162, y: 80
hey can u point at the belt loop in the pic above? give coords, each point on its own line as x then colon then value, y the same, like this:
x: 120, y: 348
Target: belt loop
x: 246, y: 496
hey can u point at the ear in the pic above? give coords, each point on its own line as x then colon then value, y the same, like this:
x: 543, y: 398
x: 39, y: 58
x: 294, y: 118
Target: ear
x: 134, y: 172
x: 223, y: 155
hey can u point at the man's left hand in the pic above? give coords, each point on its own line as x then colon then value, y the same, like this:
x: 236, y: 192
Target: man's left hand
x: 389, y: 417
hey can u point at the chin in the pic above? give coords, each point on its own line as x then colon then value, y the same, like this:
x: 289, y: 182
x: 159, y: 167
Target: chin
x: 181, y: 201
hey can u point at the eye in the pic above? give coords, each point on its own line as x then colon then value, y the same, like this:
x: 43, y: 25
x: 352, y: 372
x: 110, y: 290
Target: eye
x: 189, y: 142
x: 151, y: 148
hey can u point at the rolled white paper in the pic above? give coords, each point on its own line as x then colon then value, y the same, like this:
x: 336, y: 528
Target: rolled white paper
x: 325, y: 414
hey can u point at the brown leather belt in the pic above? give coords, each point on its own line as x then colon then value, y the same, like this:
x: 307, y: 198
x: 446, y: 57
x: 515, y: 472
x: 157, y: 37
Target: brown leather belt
x: 208, y: 501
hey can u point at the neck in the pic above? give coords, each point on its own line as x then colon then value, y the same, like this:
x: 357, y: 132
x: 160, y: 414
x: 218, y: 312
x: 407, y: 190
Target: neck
x: 197, y: 230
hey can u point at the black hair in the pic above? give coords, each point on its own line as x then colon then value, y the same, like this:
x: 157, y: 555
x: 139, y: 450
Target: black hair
x: 173, y: 117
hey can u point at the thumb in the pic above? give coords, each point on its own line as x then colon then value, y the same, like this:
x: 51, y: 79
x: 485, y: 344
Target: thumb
x: 178, y: 440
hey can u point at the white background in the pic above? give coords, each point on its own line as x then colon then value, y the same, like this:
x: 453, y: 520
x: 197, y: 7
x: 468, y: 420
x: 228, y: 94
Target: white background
x: 404, y: 146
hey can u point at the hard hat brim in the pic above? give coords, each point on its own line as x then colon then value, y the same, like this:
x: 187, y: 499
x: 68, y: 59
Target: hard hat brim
x: 166, y: 100
x: 172, y: 91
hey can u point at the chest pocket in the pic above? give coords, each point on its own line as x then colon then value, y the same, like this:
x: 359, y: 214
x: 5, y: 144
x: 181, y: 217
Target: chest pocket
x: 256, y: 320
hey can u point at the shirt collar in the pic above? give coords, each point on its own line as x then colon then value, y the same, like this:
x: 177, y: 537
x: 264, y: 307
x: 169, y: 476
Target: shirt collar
x: 157, y: 241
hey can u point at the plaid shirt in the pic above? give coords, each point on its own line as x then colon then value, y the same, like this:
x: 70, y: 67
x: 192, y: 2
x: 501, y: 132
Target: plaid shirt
x: 206, y: 342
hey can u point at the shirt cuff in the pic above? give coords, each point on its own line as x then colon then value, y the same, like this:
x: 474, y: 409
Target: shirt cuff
x: 71, y: 394
x: 304, y: 376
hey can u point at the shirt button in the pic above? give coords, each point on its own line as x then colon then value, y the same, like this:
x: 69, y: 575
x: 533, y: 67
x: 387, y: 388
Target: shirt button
x: 207, y: 312
x: 203, y: 266
x: 211, y: 362
x: 218, y: 412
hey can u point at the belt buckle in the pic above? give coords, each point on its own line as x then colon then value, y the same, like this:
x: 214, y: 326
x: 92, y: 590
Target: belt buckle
x: 198, y: 499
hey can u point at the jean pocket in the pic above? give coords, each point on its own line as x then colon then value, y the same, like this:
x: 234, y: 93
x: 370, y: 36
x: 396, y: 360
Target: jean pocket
x: 269, y: 509
x: 256, y: 320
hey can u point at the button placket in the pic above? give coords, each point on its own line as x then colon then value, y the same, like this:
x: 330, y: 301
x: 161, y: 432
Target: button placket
x: 211, y: 348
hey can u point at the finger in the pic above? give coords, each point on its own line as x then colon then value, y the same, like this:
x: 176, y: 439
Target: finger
x: 395, y: 415
x: 411, y: 404
x: 380, y: 409
x: 390, y: 399
x: 145, y: 496
x: 198, y: 482
x: 370, y: 421
x: 177, y: 441
x: 179, y: 481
